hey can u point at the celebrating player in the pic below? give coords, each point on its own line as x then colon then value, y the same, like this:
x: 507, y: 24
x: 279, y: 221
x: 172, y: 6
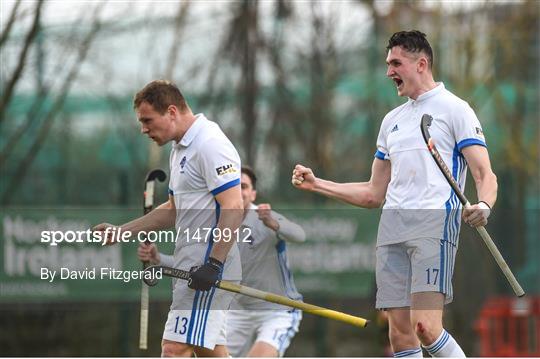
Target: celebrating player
x: 204, y: 195
x: 256, y: 328
x: 416, y: 248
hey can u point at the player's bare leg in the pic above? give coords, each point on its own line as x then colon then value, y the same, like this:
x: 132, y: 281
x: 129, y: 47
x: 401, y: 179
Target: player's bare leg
x: 426, y: 319
x: 401, y: 334
x: 426, y: 315
x: 262, y: 349
x: 170, y: 349
x: 220, y: 351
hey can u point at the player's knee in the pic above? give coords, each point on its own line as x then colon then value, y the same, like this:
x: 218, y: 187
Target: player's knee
x: 401, y: 336
x: 427, y: 331
x: 172, y: 349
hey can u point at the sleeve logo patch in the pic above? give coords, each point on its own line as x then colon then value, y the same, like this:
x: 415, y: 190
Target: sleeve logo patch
x: 223, y: 170
x: 479, y: 131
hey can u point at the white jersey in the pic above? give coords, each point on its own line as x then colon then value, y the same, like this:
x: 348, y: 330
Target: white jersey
x: 419, y: 201
x: 203, y: 164
x: 264, y: 260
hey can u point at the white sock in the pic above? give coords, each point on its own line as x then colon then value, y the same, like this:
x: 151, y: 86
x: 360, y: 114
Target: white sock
x: 411, y: 353
x: 445, y: 347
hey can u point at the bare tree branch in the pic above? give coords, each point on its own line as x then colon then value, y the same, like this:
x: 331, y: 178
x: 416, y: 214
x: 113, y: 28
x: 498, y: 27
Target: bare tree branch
x: 38, y: 142
x: 31, y: 117
x: 240, y: 45
x: 179, y: 23
x: 33, y: 114
x: 5, y: 34
x: 249, y: 87
x: 8, y: 91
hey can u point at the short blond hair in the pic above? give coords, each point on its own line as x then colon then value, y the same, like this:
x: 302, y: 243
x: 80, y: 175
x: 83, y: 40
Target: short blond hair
x: 160, y: 94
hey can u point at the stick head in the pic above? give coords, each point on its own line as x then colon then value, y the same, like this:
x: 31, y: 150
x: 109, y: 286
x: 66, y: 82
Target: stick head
x: 424, y: 126
x: 152, y: 275
x: 149, y: 185
x: 156, y: 174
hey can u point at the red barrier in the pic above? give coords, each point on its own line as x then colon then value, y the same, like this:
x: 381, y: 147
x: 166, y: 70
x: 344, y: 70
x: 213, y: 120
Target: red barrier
x: 509, y: 327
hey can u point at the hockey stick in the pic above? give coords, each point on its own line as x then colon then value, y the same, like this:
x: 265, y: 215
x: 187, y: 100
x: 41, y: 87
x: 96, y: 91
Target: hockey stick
x: 151, y: 279
x: 149, y: 186
x: 424, y: 126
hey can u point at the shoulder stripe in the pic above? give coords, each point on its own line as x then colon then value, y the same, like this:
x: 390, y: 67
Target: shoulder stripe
x: 380, y: 155
x: 226, y: 186
x: 470, y: 142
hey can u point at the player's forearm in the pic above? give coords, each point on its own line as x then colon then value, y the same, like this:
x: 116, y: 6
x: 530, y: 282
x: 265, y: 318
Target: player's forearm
x: 290, y: 231
x: 359, y: 194
x: 163, y: 217
x: 486, y: 188
x: 166, y: 260
x: 477, y: 158
x: 229, y: 221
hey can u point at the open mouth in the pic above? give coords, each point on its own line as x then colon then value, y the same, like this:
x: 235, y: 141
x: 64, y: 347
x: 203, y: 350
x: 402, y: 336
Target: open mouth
x: 398, y: 82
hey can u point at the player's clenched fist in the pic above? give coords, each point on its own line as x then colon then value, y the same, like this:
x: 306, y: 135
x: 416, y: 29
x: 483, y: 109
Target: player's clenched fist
x: 148, y: 252
x: 303, y: 178
x: 264, y: 210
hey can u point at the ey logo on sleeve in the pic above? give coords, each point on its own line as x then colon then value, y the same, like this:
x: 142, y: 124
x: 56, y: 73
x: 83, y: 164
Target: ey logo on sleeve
x: 222, y: 170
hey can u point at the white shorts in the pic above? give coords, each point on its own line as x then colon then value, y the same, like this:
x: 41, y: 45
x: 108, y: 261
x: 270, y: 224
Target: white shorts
x: 275, y: 327
x: 419, y: 265
x: 196, y: 317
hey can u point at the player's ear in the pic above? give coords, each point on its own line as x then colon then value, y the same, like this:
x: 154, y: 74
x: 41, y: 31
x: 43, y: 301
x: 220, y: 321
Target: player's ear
x: 422, y: 64
x: 172, y: 110
x: 253, y: 195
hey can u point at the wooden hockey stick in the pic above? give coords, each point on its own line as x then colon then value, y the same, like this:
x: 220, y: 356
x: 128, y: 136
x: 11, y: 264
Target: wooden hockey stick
x: 424, y: 126
x: 149, y: 186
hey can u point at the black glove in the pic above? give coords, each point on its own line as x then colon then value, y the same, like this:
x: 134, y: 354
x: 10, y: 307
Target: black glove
x: 206, y: 276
